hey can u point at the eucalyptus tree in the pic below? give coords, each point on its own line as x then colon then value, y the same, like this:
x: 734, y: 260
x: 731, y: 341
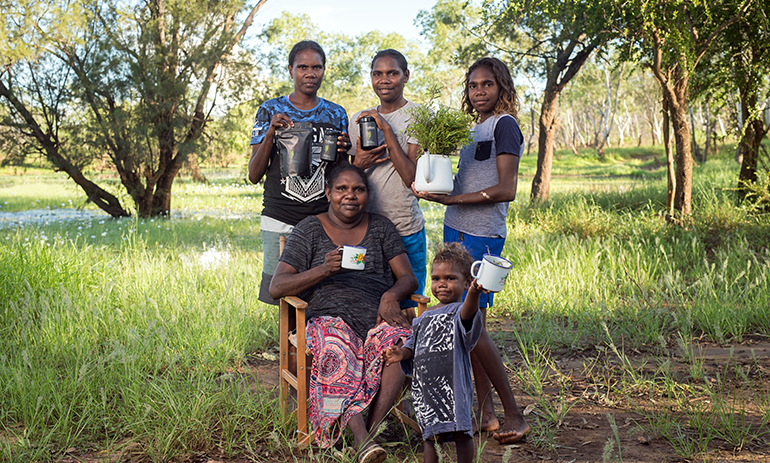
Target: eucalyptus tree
x: 671, y: 39
x: 37, y: 89
x: 595, y: 93
x: 740, y: 63
x: 139, y: 75
x: 547, y: 40
x: 450, y: 28
x: 551, y: 40
x: 645, y: 93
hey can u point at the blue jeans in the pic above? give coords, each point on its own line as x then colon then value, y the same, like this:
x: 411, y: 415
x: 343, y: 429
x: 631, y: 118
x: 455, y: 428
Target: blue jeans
x: 477, y: 246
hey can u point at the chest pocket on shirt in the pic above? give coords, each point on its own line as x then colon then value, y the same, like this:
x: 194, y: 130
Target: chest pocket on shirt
x: 483, y: 150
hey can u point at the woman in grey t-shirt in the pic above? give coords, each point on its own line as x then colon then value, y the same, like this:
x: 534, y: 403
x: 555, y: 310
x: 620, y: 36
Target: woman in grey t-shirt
x: 353, y: 314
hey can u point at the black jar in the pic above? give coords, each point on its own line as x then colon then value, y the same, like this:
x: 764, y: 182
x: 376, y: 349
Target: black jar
x: 329, y: 149
x: 368, y: 130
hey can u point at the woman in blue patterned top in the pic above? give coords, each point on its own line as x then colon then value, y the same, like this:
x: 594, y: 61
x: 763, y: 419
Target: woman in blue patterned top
x: 289, y: 199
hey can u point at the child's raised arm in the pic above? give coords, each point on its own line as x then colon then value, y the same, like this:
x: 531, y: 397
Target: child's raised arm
x: 471, y: 304
x: 395, y: 354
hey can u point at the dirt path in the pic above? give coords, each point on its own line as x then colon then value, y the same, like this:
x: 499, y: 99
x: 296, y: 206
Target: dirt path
x: 586, y: 428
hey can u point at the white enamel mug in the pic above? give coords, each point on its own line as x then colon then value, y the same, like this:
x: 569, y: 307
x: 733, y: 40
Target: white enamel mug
x: 353, y: 257
x: 491, y: 272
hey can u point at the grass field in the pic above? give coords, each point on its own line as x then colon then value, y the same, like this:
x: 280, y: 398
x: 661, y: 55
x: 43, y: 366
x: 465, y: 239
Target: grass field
x: 133, y: 333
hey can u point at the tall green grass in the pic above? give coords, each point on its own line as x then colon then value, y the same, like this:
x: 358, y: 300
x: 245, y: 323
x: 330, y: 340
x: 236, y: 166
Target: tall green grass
x: 608, y: 256
x: 133, y: 335
x: 129, y: 343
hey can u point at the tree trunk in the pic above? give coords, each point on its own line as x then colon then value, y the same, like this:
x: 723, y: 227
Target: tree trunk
x: 749, y: 145
x: 683, y: 157
x: 194, y: 169
x: 670, y: 170
x: 52, y: 149
x: 709, y: 129
x: 161, y: 200
x: 674, y: 85
x: 753, y: 126
x: 652, y: 132
x: 531, y: 132
x: 695, y: 147
x: 611, y: 110
x: 541, y: 183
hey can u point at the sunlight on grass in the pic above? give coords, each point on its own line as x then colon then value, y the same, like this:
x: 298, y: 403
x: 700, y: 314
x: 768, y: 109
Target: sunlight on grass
x: 139, y: 334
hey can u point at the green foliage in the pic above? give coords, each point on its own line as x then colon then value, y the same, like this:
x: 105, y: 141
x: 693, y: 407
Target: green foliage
x: 609, y: 447
x: 758, y: 193
x: 130, y: 341
x: 440, y: 131
x: 137, y: 335
x: 131, y: 83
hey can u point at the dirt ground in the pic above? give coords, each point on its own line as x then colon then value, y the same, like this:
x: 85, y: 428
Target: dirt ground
x: 585, y: 429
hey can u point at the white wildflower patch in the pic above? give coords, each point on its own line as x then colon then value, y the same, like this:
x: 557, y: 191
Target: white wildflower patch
x: 209, y: 259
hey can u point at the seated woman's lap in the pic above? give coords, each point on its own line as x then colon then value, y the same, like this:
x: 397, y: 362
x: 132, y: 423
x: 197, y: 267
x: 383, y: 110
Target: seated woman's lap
x: 346, y: 372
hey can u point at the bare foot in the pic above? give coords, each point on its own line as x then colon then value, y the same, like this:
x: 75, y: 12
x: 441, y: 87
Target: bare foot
x: 488, y: 423
x: 514, y: 430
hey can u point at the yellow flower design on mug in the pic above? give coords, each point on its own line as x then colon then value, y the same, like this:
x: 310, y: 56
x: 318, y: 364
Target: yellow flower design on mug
x: 358, y: 258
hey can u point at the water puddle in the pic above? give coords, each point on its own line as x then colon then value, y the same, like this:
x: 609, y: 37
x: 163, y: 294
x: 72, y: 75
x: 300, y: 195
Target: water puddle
x: 47, y: 217
x: 51, y: 216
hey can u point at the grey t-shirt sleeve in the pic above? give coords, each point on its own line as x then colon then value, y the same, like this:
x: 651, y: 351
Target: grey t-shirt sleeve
x: 301, y: 245
x: 471, y: 334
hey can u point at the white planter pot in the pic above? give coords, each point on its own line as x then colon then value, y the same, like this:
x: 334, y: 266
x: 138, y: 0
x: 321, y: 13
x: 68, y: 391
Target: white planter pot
x: 434, y: 174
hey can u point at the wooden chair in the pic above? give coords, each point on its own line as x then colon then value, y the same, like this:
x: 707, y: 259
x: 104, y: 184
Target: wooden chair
x: 295, y: 367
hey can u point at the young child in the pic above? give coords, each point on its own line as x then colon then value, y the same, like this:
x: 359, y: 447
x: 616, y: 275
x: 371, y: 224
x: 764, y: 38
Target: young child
x: 438, y: 355
x: 476, y: 217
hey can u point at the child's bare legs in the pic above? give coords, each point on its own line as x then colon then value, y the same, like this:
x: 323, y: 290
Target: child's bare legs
x: 464, y: 447
x: 429, y: 454
x: 488, y: 367
x: 485, y: 420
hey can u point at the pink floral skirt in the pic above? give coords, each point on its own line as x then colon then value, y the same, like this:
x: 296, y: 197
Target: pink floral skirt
x: 346, y: 373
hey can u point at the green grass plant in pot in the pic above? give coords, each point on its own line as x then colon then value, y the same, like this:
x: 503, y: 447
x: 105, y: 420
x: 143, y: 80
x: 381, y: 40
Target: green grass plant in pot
x: 441, y: 133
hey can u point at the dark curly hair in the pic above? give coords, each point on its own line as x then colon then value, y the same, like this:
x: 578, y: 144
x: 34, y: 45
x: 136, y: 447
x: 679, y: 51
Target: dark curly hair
x: 507, y: 102
x: 455, y: 254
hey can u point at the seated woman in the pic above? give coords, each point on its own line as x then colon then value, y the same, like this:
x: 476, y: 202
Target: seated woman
x: 353, y: 315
